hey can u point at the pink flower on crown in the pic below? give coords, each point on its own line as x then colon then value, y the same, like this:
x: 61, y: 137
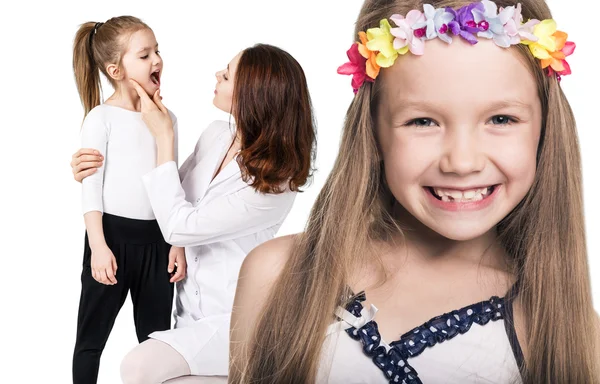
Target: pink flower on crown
x: 518, y: 31
x: 357, y: 67
x: 410, y: 32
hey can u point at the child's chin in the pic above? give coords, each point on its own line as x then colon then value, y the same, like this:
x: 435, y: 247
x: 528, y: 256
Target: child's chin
x: 461, y: 234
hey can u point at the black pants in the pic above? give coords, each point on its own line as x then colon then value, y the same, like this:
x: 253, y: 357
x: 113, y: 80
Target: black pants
x: 142, y: 260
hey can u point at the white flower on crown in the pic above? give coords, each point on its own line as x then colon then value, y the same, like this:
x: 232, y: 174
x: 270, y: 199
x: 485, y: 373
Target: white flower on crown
x: 437, y: 23
x: 496, y: 22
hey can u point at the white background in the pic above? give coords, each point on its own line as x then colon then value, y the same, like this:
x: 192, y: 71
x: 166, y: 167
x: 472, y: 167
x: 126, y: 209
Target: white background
x: 42, y: 227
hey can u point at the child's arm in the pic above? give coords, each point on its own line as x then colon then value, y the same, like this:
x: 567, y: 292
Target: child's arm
x: 94, y: 134
x: 103, y: 263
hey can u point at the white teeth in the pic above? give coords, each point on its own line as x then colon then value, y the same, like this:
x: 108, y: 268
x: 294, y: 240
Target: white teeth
x: 456, y: 194
x: 470, y: 194
x: 462, y: 196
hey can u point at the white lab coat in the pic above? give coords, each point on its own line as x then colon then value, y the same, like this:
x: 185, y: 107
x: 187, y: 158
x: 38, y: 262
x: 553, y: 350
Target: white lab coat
x: 218, y: 222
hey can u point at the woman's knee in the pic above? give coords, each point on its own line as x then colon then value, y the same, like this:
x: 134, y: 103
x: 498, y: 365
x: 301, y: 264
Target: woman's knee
x: 133, y: 368
x: 152, y: 362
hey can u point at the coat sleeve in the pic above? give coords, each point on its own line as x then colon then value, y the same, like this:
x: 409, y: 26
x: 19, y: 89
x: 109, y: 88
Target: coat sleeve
x: 227, y: 217
x: 175, y: 138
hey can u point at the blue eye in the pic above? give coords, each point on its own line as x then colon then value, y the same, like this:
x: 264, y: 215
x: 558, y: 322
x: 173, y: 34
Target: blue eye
x: 502, y: 120
x: 421, y: 122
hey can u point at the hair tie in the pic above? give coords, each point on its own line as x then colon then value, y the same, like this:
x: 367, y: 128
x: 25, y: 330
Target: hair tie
x: 98, y: 25
x: 92, y: 34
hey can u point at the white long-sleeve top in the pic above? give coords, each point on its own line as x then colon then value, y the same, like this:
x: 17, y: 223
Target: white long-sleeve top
x: 218, y: 221
x: 129, y: 152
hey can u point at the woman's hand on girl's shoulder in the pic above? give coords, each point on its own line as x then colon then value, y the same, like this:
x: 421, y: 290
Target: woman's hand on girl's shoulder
x: 85, y: 162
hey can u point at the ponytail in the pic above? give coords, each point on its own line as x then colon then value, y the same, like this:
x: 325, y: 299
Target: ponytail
x: 87, y: 73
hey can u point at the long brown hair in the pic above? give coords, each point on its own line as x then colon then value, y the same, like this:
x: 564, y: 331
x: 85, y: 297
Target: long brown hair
x: 544, y: 236
x: 273, y: 113
x: 96, y: 45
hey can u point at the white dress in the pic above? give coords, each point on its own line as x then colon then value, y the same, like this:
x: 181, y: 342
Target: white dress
x: 218, y: 222
x: 472, y: 345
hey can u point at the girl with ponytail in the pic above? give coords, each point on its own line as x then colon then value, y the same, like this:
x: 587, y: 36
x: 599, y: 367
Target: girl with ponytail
x: 124, y: 250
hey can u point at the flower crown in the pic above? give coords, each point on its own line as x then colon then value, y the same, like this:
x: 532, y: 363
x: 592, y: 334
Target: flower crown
x: 379, y: 47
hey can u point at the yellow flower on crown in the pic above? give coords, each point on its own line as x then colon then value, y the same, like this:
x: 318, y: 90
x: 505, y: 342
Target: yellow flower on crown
x: 382, y: 40
x: 545, y: 44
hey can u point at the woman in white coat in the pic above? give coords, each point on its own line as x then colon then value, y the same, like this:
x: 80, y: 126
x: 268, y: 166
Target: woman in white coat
x: 229, y: 196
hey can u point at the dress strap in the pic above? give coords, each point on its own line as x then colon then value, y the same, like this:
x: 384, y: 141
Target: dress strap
x: 509, y: 325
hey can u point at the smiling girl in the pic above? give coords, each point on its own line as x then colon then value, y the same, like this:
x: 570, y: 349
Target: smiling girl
x: 447, y: 245
x: 124, y: 248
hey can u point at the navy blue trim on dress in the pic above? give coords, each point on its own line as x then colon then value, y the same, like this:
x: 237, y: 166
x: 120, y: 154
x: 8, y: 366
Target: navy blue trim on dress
x: 394, y: 362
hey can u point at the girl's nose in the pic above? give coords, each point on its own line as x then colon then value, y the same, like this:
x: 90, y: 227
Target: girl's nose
x: 462, y: 155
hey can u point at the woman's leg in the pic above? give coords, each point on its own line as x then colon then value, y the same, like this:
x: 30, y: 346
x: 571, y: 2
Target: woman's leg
x: 153, y: 362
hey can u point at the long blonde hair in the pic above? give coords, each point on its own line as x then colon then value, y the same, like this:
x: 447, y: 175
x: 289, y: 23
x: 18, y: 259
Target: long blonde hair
x: 544, y: 237
x: 95, y: 46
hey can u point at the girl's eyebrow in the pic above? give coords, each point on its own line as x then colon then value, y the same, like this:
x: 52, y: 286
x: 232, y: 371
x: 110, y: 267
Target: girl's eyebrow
x: 147, y: 48
x: 510, y: 103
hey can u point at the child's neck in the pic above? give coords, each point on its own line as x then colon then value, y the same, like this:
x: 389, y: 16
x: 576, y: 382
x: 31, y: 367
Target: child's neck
x: 125, y: 98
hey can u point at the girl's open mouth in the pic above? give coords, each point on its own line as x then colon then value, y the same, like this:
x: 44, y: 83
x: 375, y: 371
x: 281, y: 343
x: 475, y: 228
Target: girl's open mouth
x: 155, y: 77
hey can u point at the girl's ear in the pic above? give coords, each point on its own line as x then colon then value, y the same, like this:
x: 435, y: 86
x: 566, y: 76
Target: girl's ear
x: 114, y: 72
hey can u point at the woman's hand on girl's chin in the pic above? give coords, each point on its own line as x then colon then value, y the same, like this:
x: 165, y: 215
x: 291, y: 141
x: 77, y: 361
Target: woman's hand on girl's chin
x: 85, y: 162
x: 154, y: 113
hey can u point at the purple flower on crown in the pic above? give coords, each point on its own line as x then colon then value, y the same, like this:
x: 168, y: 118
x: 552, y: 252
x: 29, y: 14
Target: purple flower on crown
x: 491, y: 23
x: 464, y: 24
x: 437, y: 23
